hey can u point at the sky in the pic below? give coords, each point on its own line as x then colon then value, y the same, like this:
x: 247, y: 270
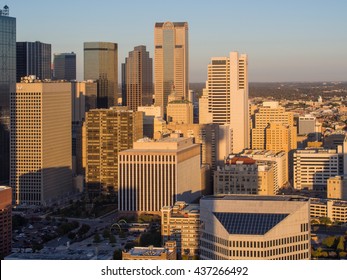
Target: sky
x: 297, y: 40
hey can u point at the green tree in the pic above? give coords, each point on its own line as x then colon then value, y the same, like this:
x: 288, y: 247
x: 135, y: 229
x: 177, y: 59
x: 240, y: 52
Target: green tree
x: 97, y: 238
x: 329, y: 241
x: 341, y: 244
x: 117, y: 254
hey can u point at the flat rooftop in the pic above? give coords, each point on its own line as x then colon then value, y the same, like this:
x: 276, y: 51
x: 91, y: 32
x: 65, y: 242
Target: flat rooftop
x: 257, y: 197
x: 147, y: 251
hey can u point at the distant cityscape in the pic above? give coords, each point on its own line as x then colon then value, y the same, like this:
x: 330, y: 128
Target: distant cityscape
x: 153, y: 167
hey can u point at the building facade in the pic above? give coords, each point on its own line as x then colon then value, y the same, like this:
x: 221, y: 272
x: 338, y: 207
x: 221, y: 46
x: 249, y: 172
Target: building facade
x: 313, y: 167
x: 108, y: 132
x: 235, y: 227
x: 227, y: 87
x: 101, y: 65
x: 7, y: 85
x: 154, y: 174
x: 40, y: 156
x: 168, y: 252
x: 181, y: 223
x: 64, y: 66
x: 34, y: 58
x: 138, y: 79
x: 171, y: 58
x: 5, y: 221
x: 335, y: 210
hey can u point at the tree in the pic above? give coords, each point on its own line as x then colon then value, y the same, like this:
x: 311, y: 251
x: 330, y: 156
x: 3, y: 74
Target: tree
x: 341, y: 244
x: 97, y: 238
x: 112, y: 239
x: 329, y: 241
x: 117, y: 254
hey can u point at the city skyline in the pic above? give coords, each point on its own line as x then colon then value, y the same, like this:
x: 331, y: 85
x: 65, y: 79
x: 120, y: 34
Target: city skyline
x: 288, y: 42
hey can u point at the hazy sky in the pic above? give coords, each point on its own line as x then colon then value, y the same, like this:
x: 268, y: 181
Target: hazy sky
x: 297, y: 40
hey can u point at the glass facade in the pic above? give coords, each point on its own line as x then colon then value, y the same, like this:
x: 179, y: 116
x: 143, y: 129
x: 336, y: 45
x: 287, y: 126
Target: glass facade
x: 101, y: 65
x: 34, y: 58
x: 64, y: 66
x: 7, y: 85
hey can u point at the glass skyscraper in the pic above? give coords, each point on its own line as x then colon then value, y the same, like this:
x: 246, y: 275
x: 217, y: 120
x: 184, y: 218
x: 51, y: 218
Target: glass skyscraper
x: 101, y: 65
x: 7, y: 85
x: 64, y: 66
x: 34, y: 58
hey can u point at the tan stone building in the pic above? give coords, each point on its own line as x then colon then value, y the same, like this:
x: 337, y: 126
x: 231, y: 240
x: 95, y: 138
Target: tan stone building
x: 154, y: 174
x: 274, y: 128
x: 152, y: 253
x: 5, y: 221
x: 227, y: 89
x: 40, y: 142
x: 248, y: 227
x: 106, y: 133
x: 335, y: 210
x: 170, y: 61
x: 337, y: 188
x: 181, y: 223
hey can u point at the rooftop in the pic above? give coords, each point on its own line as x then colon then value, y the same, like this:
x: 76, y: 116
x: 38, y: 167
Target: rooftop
x: 147, y: 251
x: 256, y: 197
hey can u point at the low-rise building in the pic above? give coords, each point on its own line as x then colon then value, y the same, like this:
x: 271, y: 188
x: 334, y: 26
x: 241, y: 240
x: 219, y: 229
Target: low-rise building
x: 152, y: 253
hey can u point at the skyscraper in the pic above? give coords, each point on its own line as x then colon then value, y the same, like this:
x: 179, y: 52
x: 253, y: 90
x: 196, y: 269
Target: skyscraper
x: 106, y: 133
x: 64, y: 66
x: 5, y: 221
x: 227, y: 89
x: 170, y: 61
x: 7, y: 85
x: 101, y: 65
x: 34, y: 58
x: 138, y: 78
x: 40, y: 142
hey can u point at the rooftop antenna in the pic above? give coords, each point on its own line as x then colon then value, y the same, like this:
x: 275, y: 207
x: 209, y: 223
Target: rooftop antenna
x: 5, y: 12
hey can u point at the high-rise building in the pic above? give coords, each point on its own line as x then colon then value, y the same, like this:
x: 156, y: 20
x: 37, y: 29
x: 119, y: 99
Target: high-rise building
x: 138, y: 78
x: 154, y: 174
x: 205, y: 116
x: 101, y: 65
x: 34, y: 58
x: 150, y: 113
x: 170, y: 61
x: 179, y: 110
x: 240, y: 227
x: 5, y: 221
x: 337, y: 188
x: 181, y: 223
x: 274, y: 128
x: 306, y: 125
x: 227, y: 89
x: 313, y: 167
x: 7, y: 85
x: 108, y: 132
x: 40, y: 142
x: 64, y: 66
x: 278, y: 160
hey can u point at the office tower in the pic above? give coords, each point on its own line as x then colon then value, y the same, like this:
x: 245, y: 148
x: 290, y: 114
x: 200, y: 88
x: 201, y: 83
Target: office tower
x: 40, y: 142
x: 337, y: 188
x: 266, y: 184
x: 150, y: 113
x: 64, y: 66
x: 108, y: 132
x: 156, y: 174
x: 101, y: 65
x: 306, y: 125
x: 83, y: 99
x: 204, y: 115
x: 245, y: 227
x: 273, y: 128
x: 179, y: 110
x: 207, y: 135
x: 313, y: 167
x: 138, y: 78
x: 5, y: 221
x: 181, y: 223
x: 7, y: 85
x: 278, y: 160
x: 168, y: 252
x: 170, y: 61
x: 227, y: 89
x: 34, y: 58
x: 334, y: 140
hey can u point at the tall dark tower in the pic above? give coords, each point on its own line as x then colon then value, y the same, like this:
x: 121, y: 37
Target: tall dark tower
x: 34, y: 58
x: 7, y: 85
x: 64, y: 66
